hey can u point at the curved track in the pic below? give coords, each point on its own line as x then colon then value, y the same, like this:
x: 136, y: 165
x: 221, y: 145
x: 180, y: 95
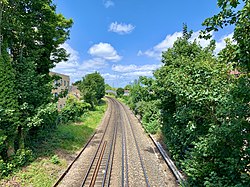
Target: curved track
x: 119, y: 154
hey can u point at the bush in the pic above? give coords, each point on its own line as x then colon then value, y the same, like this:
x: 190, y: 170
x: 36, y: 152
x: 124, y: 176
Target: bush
x: 73, y: 109
x: 21, y: 158
x: 45, y: 117
x: 55, y: 159
x: 151, y: 117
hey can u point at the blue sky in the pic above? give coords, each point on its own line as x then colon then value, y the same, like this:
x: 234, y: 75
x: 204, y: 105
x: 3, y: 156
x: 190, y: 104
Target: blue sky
x: 123, y: 39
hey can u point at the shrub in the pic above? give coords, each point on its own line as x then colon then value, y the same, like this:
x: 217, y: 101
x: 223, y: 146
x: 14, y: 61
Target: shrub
x: 45, y: 117
x: 55, y: 159
x: 21, y: 158
x: 150, y: 113
x: 73, y: 109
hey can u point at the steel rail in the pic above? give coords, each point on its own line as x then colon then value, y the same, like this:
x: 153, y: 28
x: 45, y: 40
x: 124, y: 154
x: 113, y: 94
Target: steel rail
x: 177, y: 174
x: 137, y: 146
x: 123, y: 150
x: 124, y: 155
x: 112, y: 151
x: 97, y: 150
x: 69, y: 167
x: 97, y: 167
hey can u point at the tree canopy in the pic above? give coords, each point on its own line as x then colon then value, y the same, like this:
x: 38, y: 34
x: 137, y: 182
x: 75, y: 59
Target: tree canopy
x: 31, y: 33
x: 201, y: 109
x: 92, y: 88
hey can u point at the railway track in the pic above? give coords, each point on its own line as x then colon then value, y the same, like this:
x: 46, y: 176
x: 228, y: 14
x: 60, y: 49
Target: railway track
x: 128, y: 127
x: 99, y: 171
x: 115, y: 158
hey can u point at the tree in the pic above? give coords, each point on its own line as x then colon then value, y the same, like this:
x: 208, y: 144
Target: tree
x: 235, y: 110
x: 120, y: 92
x: 127, y: 87
x: 108, y: 87
x: 193, y: 98
x: 32, y: 33
x: 92, y: 88
x: 232, y: 14
x: 8, y: 108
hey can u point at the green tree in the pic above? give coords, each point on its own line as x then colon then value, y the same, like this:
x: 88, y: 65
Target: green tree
x: 108, y: 87
x: 232, y: 14
x: 127, y: 87
x: 92, y: 88
x: 32, y: 33
x: 193, y: 98
x: 120, y: 92
x: 8, y: 108
x: 190, y: 85
x: 235, y: 111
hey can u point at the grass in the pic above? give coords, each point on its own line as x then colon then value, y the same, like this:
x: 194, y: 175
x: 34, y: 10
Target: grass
x: 56, y: 150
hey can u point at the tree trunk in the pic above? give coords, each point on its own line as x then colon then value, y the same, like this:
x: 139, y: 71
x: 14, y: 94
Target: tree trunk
x: 19, y: 141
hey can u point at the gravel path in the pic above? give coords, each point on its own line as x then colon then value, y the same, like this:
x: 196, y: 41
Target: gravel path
x: 126, y: 167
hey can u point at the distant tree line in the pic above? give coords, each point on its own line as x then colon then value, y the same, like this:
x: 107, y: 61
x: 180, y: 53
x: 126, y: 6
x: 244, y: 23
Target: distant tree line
x: 201, y: 109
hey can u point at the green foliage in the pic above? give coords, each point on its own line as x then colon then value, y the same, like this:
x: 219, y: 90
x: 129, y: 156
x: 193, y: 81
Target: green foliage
x: 120, y: 92
x: 34, y: 47
x: 143, y: 101
x: 21, y: 158
x: 235, y: 111
x: 31, y: 35
x: 192, y: 83
x: 66, y: 139
x: 198, y: 125
x: 92, y: 88
x: 233, y: 12
x: 202, y: 111
x: 8, y: 107
x: 108, y: 87
x: 151, y: 116
x: 45, y: 117
x: 55, y: 159
x: 73, y: 109
x: 127, y: 87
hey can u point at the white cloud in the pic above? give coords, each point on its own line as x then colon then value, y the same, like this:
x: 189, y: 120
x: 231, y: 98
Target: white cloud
x: 130, y: 72
x: 121, y: 28
x: 156, y: 51
x: 134, y: 68
x: 95, y: 64
x: 77, y: 70
x: 168, y: 42
x: 71, y: 64
x: 104, y: 51
x: 221, y: 43
x: 108, y: 3
x: 110, y: 77
x: 138, y: 74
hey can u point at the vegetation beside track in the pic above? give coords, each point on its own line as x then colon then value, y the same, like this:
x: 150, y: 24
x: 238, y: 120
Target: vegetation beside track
x: 199, y: 100
x: 58, y: 148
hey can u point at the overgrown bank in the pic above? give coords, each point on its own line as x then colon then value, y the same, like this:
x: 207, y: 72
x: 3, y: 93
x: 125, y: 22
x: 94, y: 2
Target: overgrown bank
x: 200, y: 105
x: 57, y: 148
